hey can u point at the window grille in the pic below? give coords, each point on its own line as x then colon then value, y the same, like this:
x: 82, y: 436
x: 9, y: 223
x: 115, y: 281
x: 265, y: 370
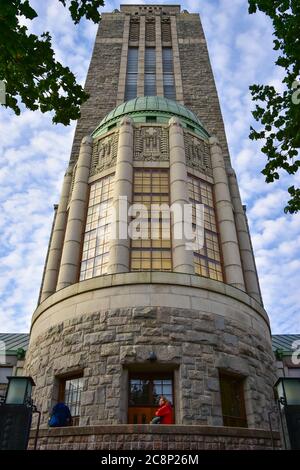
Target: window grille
x: 132, y: 74
x: 150, y: 71
x: 168, y: 73
x: 233, y: 400
x: 150, y: 30
x: 134, y: 30
x: 166, y: 31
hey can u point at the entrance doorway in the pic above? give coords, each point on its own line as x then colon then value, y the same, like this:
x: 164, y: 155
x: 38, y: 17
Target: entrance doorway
x: 144, y: 392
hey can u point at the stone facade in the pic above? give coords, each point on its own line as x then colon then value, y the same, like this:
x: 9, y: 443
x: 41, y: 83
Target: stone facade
x: 195, y: 326
x: 199, y: 88
x: 192, y: 67
x: 144, y: 437
x: 102, y: 78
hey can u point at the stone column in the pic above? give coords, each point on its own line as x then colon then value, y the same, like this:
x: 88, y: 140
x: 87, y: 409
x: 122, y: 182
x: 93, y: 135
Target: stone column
x: 141, y: 58
x: 123, y: 64
x: 57, y: 241
x: 159, y: 64
x: 176, y: 61
x: 119, y: 251
x: 183, y: 259
x: 228, y: 236
x: 70, y: 260
x: 247, y: 256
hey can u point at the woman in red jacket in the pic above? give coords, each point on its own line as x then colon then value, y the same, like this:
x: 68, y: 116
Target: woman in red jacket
x: 164, y: 413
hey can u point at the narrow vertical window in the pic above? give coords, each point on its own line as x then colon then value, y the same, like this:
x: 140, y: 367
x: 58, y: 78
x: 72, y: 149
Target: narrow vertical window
x: 70, y: 390
x: 150, y: 71
x: 233, y: 401
x: 131, y: 74
x: 207, y: 260
x: 168, y: 73
x: 97, y: 231
x: 144, y: 392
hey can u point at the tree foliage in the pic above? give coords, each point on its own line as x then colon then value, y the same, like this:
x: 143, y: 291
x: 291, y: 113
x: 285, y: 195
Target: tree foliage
x: 28, y: 66
x: 279, y: 112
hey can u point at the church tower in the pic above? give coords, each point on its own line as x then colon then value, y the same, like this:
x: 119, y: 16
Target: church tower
x: 122, y: 320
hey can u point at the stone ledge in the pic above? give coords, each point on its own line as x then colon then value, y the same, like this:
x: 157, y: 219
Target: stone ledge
x: 150, y: 278
x: 216, y: 431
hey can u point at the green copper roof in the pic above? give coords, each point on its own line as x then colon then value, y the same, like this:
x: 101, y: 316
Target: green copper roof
x: 11, y: 342
x: 145, y: 107
x: 284, y: 343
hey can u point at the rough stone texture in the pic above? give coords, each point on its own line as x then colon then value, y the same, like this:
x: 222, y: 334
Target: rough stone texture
x: 105, y: 343
x: 199, y: 89
x: 102, y: 78
x: 143, y: 437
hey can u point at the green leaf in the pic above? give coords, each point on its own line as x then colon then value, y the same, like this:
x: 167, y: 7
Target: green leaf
x: 277, y: 116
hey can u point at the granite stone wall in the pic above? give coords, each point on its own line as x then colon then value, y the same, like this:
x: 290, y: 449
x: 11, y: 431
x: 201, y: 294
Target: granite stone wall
x: 107, y: 343
x: 102, y: 78
x: 143, y: 437
x: 199, y: 88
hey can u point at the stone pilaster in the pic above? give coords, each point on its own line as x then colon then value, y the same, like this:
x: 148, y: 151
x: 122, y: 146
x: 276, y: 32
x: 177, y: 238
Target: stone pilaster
x: 70, y: 260
x: 227, y: 229
x: 183, y: 261
x: 246, y: 250
x: 141, y: 58
x: 159, y: 64
x: 119, y: 252
x: 123, y: 64
x: 57, y: 241
x: 176, y: 61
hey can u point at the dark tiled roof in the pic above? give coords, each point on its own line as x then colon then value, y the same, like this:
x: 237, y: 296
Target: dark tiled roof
x: 14, y: 341
x: 284, y: 342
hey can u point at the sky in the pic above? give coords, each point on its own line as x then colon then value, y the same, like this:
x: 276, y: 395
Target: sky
x: 35, y: 152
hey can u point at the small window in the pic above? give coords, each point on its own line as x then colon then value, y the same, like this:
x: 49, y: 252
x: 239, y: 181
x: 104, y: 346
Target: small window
x: 150, y: 30
x: 168, y: 73
x: 132, y: 74
x: 144, y: 392
x: 70, y: 390
x: 151, y: 119
x: 150, y: 71
x: 233, y: 400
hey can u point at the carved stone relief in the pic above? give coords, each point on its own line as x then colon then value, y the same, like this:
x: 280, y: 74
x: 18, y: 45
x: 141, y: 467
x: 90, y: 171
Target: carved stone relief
x: 197, y: 154
x: 151, y: 143
x: 71, y: 171
x: 104, y: 154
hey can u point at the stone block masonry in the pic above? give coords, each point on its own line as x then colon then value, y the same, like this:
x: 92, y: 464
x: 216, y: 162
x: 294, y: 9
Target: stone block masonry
x: 143, y: 437
x: 196, y: 338
x: 102, y: 78
x: 199, y: 88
